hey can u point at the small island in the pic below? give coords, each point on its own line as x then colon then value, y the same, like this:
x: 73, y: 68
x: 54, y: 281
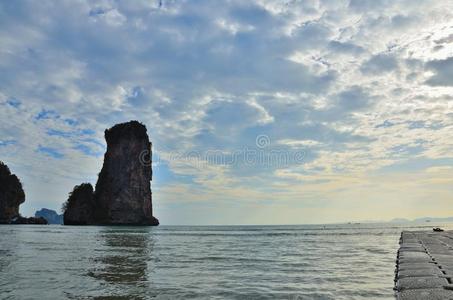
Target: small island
x: 123, y: 190
x: 50, y: 215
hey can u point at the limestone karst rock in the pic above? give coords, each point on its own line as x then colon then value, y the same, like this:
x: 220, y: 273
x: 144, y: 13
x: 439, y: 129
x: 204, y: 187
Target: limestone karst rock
x: 123, y: 190
x: 11, y: 194
x: 80, y: 206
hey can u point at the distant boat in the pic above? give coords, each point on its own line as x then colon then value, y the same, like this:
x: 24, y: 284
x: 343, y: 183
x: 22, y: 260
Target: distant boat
x: 437, y: 229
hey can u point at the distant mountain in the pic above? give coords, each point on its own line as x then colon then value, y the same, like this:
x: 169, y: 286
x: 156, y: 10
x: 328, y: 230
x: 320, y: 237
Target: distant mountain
x: 422, y: 220
x: 429, y: 219
x: 400, y: 220
x: 50, y: 215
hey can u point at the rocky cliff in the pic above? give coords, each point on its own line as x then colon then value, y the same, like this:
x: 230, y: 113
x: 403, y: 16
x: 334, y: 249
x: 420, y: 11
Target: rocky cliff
x: 11, y: 194
x: 123, y: 190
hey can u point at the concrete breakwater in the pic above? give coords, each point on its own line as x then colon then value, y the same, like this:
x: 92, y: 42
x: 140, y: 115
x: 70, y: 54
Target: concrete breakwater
x: 424, y: 265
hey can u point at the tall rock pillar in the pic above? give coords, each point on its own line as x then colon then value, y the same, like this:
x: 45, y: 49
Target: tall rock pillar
x: 123, y: 189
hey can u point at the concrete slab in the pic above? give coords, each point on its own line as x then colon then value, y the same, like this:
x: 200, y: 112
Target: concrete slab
x: 431, y: 294
x: 426, y: 260
x: 419, y: 273
x: 420, y: 283
x: 412, y: 254
x: 417, y: 266
x: 424, y: 268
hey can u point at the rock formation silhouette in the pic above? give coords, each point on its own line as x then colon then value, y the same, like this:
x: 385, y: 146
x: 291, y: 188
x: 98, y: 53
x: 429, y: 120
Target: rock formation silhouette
x: 80, y: 207
x: 11, y: 195
x: 123, y: 190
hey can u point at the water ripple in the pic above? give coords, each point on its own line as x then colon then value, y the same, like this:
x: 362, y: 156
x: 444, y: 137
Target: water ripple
x: 215, y: 262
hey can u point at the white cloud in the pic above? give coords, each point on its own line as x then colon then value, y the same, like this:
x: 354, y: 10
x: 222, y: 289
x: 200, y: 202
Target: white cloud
x: 362, y: 86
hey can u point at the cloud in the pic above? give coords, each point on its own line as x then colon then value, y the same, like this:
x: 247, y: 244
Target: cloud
x: 345, y: 47
x: 354, y: 85
x: 352, y: 99
x: 379, y: 64
x: 443, y: 72
x: 402, y: 21
x: 7, y: 143
x: 385, y: 124
x: 311, y: 35
x: 52, y: 152
x: 368, y: 5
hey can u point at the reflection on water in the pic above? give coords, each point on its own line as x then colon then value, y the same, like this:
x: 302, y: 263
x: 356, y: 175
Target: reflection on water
x: 65, y: 262
x: 124, y: 257
x: 121, y: 262
x: 210, y: 262
x: 4, y: 262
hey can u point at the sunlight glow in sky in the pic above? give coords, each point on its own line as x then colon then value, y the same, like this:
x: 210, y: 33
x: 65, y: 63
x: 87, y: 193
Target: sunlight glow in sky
x: 361, y: 91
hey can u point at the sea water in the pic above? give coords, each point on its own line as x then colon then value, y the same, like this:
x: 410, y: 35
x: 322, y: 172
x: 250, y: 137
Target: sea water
x: 353, y: 261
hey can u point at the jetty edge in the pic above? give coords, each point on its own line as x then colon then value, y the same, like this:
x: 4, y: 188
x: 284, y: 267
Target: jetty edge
x: 424, y: 266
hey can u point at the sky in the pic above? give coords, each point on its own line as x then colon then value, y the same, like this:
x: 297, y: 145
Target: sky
x: 260, y: 112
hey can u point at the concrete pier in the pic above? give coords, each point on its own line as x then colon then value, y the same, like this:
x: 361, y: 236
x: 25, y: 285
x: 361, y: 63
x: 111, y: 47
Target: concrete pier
x: 424, y: 266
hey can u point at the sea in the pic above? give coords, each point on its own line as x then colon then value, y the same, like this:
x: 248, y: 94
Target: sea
x: 343, y: 261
